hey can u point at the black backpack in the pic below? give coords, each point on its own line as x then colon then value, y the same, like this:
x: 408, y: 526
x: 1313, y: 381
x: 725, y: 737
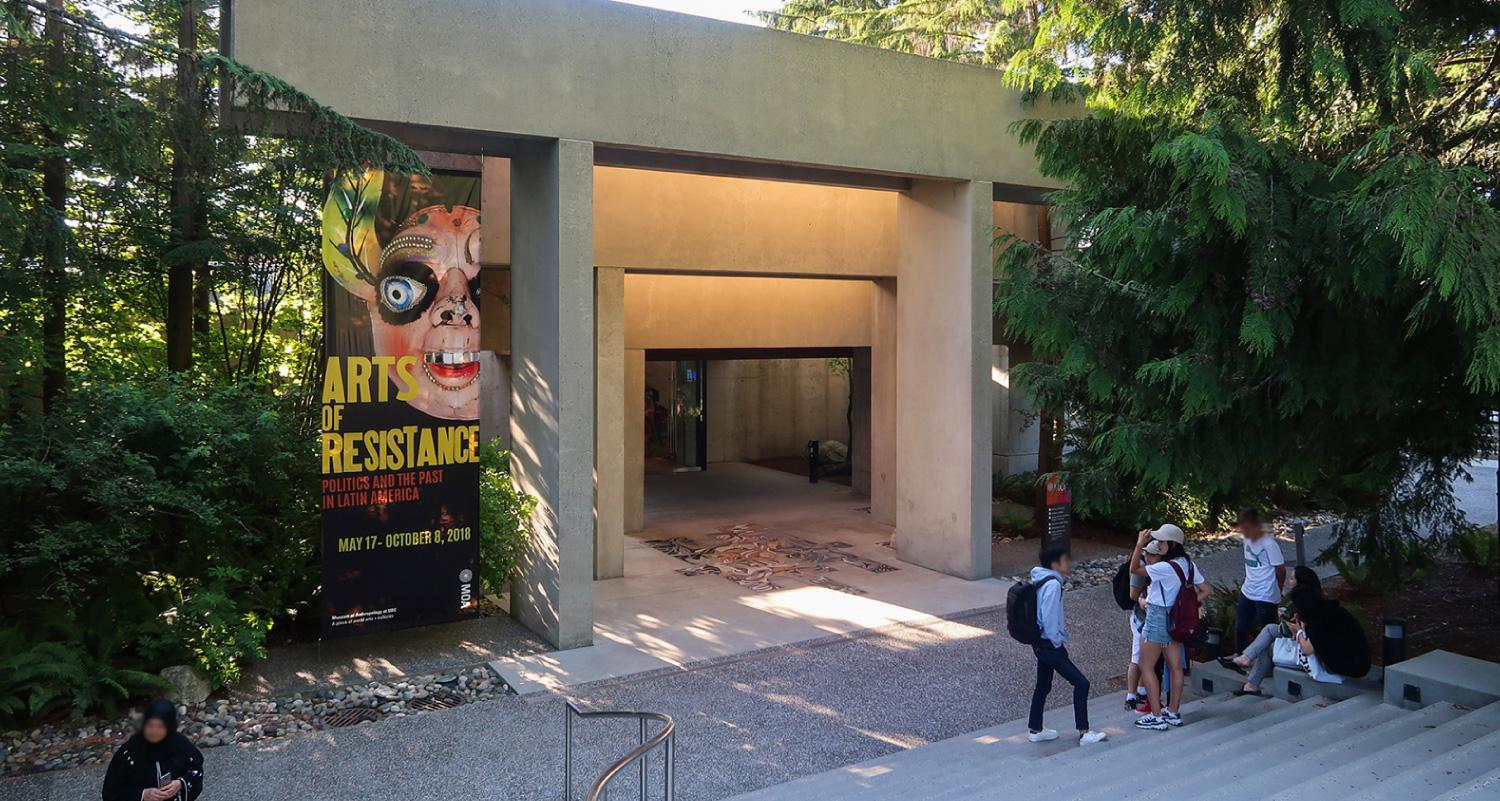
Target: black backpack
x: 1020, y: 611
x: 1122, y: 587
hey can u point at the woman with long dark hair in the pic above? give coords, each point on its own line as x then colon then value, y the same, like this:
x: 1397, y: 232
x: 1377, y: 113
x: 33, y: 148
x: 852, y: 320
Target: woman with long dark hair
x: 156, y: 763
x: 1329, y: 643
x: 1173, y: 572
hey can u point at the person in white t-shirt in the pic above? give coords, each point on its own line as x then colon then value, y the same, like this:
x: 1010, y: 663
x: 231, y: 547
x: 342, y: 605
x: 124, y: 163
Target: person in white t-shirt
x: 1167, y: 578
x: 1265, y: 573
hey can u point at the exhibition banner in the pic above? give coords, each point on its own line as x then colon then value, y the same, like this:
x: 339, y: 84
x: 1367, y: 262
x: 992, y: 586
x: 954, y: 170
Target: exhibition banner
x: 400, y: 401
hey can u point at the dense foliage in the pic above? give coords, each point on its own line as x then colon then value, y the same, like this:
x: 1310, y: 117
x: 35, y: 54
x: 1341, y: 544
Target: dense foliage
x: 1279, y: 272
x: 160, y: 323
x: 168, y: 523
x: 503, y: 514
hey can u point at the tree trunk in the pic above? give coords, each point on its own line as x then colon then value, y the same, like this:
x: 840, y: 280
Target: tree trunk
x: 55, y: 187
x: 1049, y: 422
x: 184, y: 198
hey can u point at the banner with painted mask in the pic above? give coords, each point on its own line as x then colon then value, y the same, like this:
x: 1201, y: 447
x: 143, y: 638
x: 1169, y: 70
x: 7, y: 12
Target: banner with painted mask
x: 400, y: 401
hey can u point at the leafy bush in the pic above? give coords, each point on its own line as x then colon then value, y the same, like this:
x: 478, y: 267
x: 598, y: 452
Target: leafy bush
x: 1479, y: 548
x: 1018, y: 487
x: 504, y: 513
x: 1219, y: 611
x: 151, y: 524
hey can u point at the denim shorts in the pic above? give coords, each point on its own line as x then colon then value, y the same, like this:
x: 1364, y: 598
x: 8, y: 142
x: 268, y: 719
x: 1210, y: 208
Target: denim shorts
x: 1155, y: 630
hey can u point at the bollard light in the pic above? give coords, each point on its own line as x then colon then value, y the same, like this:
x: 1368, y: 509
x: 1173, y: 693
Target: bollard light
x: 1393, y: 650
x: 812, y: 461
x: 1213, y: 643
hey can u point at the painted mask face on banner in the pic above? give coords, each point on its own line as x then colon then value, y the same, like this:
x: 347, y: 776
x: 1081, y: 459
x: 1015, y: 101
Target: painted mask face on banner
x: 425, y: 303
x: 419, y: 278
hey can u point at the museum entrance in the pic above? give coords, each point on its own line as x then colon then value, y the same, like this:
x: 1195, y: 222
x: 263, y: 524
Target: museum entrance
x: 676, y: 412
x: 789, y: 412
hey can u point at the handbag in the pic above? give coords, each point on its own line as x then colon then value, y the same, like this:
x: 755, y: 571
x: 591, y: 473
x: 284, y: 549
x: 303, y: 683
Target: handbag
x: 1285, y: 653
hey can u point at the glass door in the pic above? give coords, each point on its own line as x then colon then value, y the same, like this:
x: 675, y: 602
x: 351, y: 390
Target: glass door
x: 690, y: 415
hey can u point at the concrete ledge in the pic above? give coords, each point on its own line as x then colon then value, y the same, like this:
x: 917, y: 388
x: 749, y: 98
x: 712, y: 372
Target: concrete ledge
x: 1442, y: 676
x: 1291, y: 685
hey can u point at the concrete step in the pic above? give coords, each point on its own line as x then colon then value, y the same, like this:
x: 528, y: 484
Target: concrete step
x: 1351, y: 779
x: 1070, y: 779
x: 1439, y: 775
x: 991, y: 754
x: 1250, y: 753
x: 1256, y: 783
x: 1484, y: 788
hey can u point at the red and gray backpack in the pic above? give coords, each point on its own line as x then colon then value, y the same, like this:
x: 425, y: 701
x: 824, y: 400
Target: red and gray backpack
x: 1185, y: 618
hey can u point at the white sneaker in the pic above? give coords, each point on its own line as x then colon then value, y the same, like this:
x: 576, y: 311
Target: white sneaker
x: 1043, y: 736
x: 1172, y: 718
x: 1151, y: 722
x: 1090, y: 737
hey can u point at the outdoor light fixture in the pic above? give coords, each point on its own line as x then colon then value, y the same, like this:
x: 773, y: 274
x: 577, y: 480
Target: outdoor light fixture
x: 1214, y: 641
x: 1394, y: 647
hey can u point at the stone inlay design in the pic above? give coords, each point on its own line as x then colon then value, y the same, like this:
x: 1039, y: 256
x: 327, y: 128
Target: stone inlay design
x: 758, y: 558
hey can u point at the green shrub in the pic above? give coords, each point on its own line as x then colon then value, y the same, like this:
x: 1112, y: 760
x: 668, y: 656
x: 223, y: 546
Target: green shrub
x: 1019, y: 487
x: 1479, y: 548
x: 1219, y: 611
x: 504, y: 514
x: 190, y: 510
x: 1398, y: 563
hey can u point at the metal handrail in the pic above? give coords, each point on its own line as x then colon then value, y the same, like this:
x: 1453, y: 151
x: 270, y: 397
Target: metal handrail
x: 666, y: 738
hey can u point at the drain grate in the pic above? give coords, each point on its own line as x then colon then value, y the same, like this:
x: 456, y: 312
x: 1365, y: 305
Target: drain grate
x: 351, y: 717
x: 434, y: 702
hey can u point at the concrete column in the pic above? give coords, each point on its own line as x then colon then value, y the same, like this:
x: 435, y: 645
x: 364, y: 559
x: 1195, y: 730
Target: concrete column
x: 609, y: 431
x: 1014, y: 420
x: 883, y: 446
x: 859, y: 402
x: 635, y: 440
x: 943, y: 315
x: 552, y: 384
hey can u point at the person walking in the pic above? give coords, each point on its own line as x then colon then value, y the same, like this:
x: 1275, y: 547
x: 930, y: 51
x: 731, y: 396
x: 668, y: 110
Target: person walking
x: 156, y: 763
x: 1054, y: 566
x: 1265, y: 573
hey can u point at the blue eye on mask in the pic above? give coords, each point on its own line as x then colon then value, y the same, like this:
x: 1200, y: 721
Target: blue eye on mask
x: 401, y: 293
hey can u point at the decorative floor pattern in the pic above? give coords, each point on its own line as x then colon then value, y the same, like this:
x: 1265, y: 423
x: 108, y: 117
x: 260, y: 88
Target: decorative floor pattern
x: 758, y: 558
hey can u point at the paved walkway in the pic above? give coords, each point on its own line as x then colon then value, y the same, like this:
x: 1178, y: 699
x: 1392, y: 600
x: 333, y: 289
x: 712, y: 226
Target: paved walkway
x: 777, y: 560
x: 744, y: 723
x: 1477, y: 498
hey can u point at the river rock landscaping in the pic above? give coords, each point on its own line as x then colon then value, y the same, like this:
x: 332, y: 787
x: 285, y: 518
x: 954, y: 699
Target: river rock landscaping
x: 219, y: 722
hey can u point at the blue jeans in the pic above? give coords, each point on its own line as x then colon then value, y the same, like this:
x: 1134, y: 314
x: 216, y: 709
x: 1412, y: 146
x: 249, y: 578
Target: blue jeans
x: 1249, y: 617
x: 1051, y: 659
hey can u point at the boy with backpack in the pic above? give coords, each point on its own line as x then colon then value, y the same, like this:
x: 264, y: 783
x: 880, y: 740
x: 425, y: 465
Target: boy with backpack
x: 1035, y: 617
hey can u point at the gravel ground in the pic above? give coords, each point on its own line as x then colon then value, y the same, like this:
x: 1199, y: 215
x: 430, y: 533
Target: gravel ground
x: 742, y: 725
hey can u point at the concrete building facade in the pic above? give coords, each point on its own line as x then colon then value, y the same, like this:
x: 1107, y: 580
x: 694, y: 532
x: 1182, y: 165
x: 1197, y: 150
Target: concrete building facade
x: 657, y: 186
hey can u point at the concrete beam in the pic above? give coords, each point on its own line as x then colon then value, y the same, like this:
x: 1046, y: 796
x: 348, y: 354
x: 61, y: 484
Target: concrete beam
x: 642, y: 80
x: 552, y: 385
x: 943, y: 364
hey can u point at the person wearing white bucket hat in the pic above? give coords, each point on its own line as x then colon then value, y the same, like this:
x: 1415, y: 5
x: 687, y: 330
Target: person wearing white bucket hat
x: 1168, y: 574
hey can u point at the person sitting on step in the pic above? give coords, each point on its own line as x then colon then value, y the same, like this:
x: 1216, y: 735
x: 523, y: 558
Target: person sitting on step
x: 1321, y: 639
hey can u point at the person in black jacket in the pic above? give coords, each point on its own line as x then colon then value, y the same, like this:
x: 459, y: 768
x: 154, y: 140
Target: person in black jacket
x: 1321, y: 627
x: 156, y: 763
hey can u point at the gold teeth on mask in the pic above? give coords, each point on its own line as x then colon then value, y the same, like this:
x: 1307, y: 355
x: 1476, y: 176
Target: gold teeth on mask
x: 406, y: 242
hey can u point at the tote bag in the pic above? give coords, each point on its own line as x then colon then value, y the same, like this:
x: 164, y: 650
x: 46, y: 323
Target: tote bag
x: 1286, y: 654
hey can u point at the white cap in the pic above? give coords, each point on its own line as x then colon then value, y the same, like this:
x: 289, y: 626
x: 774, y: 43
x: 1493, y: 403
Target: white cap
x: 1169, y: 533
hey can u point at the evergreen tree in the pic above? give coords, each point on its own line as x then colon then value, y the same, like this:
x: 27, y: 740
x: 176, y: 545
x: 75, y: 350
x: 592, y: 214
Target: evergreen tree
x: 1280, y: 268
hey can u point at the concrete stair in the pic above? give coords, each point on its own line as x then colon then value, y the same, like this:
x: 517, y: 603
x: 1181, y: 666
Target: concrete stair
x: 1231, y: 749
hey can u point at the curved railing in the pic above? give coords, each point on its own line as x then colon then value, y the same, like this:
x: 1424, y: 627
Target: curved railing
x: 665, y: 738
